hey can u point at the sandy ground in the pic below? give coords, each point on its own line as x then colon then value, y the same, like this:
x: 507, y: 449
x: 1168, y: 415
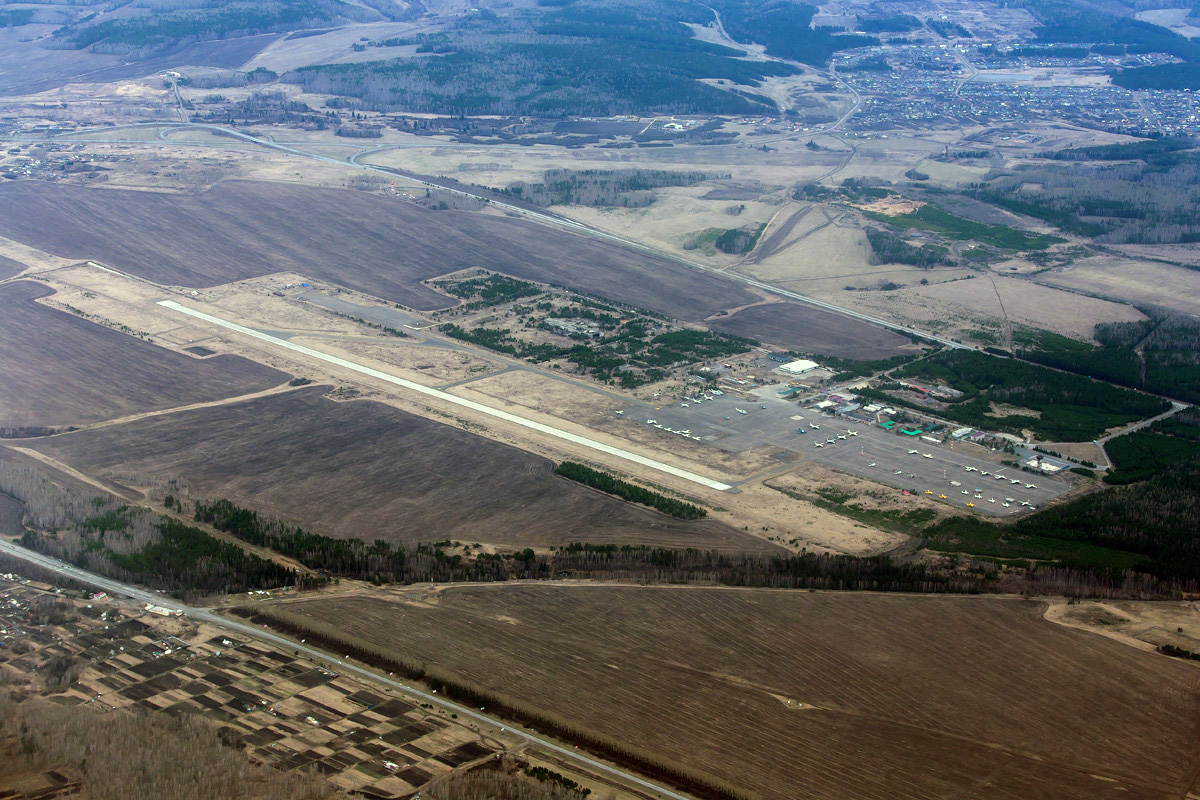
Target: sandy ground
x: 1144, y: 625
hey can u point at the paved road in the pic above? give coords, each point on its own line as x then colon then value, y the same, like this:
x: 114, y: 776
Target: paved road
x: 1176, y: 407
x: 438, y: 394
x: 264, y: 635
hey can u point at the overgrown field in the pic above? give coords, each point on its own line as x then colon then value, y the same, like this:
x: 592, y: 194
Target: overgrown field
x: 827, y: 695
x: 372, y: 244
x: 59, y: 369
x: 366, y: 470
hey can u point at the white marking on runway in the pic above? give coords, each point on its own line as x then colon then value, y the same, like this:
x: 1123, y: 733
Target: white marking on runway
x: 449, y: 398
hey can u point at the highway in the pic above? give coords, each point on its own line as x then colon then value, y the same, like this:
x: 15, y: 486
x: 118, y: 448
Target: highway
x: 264, y: 635
x: 453, y: 399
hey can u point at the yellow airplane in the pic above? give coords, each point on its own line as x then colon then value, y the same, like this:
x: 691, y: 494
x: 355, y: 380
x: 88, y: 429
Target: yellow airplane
x: 972, y: 505
x: 928, y: 492
x: 941, y: 497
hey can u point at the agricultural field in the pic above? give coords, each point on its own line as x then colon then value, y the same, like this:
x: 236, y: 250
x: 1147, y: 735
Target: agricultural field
x: 809, y: 329
x: 379, y: 246
x: 361, y: 469
x: 8, y: 267
x: 44, y: 352
x: 823, y: 695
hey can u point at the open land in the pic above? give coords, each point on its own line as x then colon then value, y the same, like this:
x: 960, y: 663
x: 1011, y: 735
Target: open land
x: 372, y: 244
x: 813, y: 330
x: 775, y: 694
x: 362, y: 469
x: 57, y: 369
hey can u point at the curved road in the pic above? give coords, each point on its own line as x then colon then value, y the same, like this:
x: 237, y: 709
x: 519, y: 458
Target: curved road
x: 263, y: 635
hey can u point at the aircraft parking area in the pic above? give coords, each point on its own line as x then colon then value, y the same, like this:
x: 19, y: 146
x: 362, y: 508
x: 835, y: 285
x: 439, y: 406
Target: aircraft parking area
x: 867, y: 451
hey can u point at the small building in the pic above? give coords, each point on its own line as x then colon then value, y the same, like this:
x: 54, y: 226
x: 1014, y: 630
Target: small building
x: 961, y: 432
x: 799, y: 367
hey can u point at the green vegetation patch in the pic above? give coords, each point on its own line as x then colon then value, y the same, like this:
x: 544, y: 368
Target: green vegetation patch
x: 1148, y: 527
x: 1159, y: 355
x: 606, y: 482
x: 1145, y: 453
x: 1071, y: 407
x: 933, y: 219
x: 488, y: 290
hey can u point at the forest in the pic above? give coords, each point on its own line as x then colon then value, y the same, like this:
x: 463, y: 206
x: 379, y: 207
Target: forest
x: 637, y: 58
x: 1159, y: 355
x: 1147, y: 527
x: 1069, y: 408
x: 169, y: 29
x: 133, y: 543
x: 888, y: 248
x: 607, y: 482
x: 1152, y: 198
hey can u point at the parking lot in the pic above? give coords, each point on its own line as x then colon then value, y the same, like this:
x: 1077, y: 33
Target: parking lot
x: 735, y: 425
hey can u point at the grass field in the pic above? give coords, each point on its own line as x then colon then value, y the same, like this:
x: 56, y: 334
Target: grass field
x: 380, y: 246
x: 58, y: 369
x: 362, y: 469
x: 809, y: 329
x: 819, y: 695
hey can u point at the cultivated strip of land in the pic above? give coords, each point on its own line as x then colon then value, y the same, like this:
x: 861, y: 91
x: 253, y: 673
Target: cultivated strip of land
x: 449, y: 398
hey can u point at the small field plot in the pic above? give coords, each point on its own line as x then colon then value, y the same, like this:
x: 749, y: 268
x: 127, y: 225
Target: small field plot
x: 58, y: 369
x: 825, y: 695
x: 809, y: 329
x: 376, y: 245
x: 362, y: 469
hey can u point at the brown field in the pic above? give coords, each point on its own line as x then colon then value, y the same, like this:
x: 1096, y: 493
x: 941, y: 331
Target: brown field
x: 819, y: 695
x: 377, y: 245
x: 59, y: 369
x: 366, y: 470
x: 809, y: 329
x: 8, y: 267
x: 1142, y: 282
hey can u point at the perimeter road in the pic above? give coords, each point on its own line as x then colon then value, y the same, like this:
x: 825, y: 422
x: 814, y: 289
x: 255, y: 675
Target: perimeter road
x: 449, y: 398
x: 212, y: 618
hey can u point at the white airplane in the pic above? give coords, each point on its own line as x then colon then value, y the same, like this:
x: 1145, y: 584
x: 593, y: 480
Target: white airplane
x: 912, y: 452
x: 852, y: 433
x: 622, y: 413
x: 871, y: 464
x: 829, y: 441
x: 964, y: 491
x: 840, y: 436
x: 683, y: 405
x: 651, y: 422
x: 1013, y: 480
x: 899, y: 472
x: 999, y: 477
x: 1007, y: 505
x: 816, y: 427
x: 985, y: 472
x: 970, y: 469
x: 819, y: 444
x: 741, y: 411
x: 991, y: 499
x: 1030, y: 486
x: 926, y: 455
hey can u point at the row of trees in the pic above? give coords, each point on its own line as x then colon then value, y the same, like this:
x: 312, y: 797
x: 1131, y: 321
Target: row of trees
x: 611, y: 484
